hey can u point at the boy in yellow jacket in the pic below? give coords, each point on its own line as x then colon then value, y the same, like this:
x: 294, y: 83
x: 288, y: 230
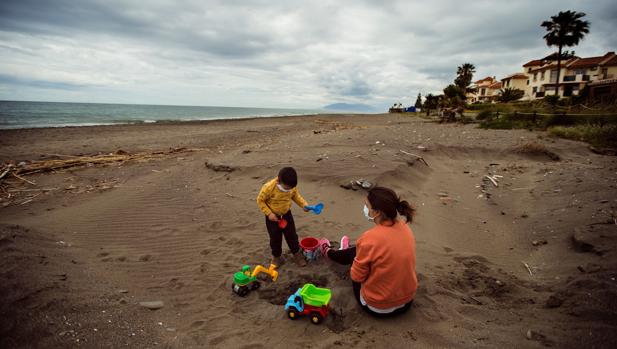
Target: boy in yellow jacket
x: 274, y: 200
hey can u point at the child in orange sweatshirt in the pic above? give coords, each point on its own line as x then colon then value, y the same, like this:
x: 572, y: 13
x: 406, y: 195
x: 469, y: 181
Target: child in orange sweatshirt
x: 274, y: 200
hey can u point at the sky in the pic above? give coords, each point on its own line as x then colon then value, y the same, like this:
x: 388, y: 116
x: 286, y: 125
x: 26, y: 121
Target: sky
x: 287, y: 54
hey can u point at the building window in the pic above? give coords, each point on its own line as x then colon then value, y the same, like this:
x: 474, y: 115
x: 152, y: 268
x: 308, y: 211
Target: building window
x: 594, y: 68
x: 482, y: 91
x: 579, y: 72
x: 542, y: 76
x: 535, y: 89
x: 535, y: 76
x: 527, y: 81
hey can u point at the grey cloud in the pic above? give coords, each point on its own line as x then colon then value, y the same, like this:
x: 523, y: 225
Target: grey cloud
x: 6, y: 79
x: 313, y: 52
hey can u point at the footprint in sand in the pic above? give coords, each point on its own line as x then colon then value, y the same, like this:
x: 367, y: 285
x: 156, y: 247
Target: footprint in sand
x: 215, y: 225
x: 145, y: 258
x: 205, y: 252
x: 174, y: 284
x: 198, y: 324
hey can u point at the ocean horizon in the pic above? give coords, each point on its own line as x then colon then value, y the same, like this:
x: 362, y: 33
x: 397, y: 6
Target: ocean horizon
x: 31, y: 114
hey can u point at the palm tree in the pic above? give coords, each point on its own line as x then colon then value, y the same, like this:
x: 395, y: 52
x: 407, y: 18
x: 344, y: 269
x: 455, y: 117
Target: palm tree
x: 465, y: 75
x: 510, y: 94
x: 565, y: 29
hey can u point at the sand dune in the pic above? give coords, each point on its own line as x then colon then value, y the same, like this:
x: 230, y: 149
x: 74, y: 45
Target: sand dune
x: 76, y: 264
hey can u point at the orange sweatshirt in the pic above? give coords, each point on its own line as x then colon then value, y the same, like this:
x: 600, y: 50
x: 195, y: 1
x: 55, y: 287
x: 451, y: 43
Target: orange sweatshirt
x: 385, y: 265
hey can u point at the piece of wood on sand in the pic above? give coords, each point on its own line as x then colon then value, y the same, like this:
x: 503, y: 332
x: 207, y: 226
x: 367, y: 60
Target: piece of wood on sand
x: 528, y: 268
x: 418, y: 157
x: 492, y: 180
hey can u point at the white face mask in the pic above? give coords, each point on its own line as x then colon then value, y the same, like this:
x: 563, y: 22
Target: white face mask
x: 366, y: 214
x: 283, y: 189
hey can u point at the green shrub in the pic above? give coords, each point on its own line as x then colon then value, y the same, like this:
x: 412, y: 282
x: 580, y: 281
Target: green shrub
x: 601, y: 136
x: 551, y: 100
x: 485, y: 114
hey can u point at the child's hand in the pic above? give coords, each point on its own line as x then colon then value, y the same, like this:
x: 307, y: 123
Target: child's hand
x: 305, y: 209
x: 273, y: 217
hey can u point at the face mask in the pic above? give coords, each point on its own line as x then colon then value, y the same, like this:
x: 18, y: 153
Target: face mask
x: 283, y: 189
x: 366, y: 214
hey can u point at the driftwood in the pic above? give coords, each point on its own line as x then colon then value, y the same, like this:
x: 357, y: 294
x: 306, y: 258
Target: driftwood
x: 80, y: 161
x: 418, y: 157
x: 27, y: 168
x: 22, y: 178
x: 528, y: 268
x: 492, y: 179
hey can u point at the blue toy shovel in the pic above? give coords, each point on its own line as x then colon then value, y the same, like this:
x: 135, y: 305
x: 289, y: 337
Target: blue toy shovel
x: 316, y: 208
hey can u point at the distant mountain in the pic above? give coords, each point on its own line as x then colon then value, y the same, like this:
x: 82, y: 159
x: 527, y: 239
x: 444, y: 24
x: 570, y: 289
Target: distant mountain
x: 350, y: 107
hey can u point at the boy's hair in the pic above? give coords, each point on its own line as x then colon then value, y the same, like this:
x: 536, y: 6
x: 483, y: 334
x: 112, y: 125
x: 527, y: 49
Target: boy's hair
x: 288, y: 176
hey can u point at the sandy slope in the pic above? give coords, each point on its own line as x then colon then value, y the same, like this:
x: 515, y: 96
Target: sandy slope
x: 175, y: 230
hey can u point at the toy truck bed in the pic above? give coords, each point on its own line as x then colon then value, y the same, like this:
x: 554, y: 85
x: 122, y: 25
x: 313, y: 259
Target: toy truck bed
x: 315, y: 296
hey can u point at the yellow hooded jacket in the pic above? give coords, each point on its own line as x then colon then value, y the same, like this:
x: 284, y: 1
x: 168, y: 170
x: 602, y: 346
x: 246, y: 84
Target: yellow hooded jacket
x: 272, y: 200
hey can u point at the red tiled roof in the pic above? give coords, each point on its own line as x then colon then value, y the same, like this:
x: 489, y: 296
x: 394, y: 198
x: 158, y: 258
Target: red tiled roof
x: 488, y: 78
x: 533, y: 63
x: 495, y: 85
x: 586, y: 62
x: 553, y: 64
x: 515, y: 76
x: 590, y: 61
x: 610, y: 62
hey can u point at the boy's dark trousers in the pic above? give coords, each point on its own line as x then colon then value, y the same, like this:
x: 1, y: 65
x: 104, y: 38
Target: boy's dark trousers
x: 276, y: 235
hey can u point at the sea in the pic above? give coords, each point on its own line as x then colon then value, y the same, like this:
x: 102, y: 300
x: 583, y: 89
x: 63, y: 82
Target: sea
x: 21, y: 114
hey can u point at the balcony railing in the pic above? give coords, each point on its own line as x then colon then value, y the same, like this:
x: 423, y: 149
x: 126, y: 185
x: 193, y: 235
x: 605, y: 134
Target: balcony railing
x: 569, y: 78
x: 585, y: 77
x: 540, y: 94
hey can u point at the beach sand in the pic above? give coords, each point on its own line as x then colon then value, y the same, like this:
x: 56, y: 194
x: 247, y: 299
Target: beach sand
x: 528, y: 263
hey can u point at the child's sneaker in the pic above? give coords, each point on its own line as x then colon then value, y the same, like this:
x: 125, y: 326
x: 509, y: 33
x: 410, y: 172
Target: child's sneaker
x: 278, y: 261
x: 344, y: 242
x: 324, y: 246
x: 299, y: 259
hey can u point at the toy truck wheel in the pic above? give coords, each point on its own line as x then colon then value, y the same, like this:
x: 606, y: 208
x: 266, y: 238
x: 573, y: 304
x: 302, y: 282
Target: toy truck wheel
x: 316, y: 318
x: 241, y: 291
x: 255, y: 285
x: 293, y: 314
